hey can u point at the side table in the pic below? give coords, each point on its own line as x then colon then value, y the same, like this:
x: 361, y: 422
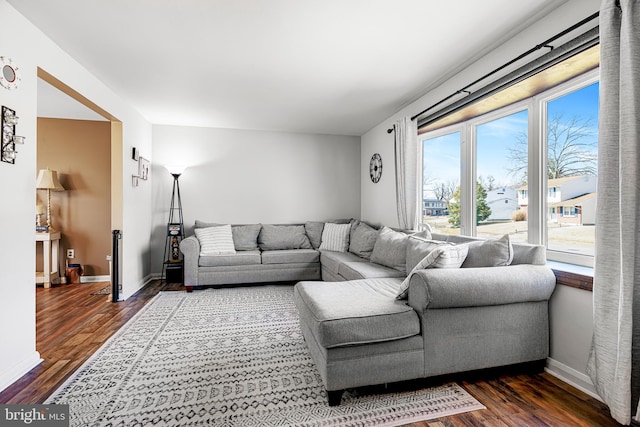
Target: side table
x: 50, y: 252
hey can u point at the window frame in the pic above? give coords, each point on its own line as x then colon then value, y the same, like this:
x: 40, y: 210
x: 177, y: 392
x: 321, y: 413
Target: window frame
x: 576, y: 83
x: 537, y: 189
x: 473, y: 151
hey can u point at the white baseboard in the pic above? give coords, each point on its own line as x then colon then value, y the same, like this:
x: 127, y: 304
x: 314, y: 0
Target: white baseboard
x: 572, y: 377
x: 145, y: 281
x: 14, y: 374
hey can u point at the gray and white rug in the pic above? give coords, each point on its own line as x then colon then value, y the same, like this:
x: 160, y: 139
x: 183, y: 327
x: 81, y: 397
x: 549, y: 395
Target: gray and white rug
x: 228, y: 357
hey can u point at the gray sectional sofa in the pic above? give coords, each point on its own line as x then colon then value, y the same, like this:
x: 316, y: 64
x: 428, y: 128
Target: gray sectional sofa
x: 283, y: 252
x: 394, y: 306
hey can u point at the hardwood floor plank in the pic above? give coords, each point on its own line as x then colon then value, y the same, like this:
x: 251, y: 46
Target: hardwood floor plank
x: 72, y: 324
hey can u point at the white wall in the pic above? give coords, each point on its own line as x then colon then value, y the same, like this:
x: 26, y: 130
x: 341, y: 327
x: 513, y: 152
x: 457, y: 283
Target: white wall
x: 29, y: 48
x: 244, y: 176
x: 570, y: 314
x: 378, y: 200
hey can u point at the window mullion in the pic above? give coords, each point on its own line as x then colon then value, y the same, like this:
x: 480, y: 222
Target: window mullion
x: 467, y: 179
x: 536, y: 173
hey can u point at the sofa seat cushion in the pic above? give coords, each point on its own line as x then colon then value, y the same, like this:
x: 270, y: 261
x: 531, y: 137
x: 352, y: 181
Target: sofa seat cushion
x: 356, y: 312
x: 239, y: 258
x: 291, y: 256
x: 331, y: 260
x: 367, y: 270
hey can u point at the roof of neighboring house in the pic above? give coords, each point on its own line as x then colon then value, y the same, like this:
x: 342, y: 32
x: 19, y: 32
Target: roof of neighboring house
x: 576, y: 201
x: 557, y: 181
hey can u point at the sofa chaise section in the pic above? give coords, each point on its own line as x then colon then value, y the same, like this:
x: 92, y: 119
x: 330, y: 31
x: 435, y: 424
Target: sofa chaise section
x: 468, y: 318
x: 358, y: 334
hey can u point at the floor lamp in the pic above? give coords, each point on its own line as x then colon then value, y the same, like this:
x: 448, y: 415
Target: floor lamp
x: 48, y: 180
x: 173, y: 268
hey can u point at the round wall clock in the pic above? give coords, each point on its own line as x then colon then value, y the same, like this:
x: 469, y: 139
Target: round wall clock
x: 375, y: 168
x: 9, y: 77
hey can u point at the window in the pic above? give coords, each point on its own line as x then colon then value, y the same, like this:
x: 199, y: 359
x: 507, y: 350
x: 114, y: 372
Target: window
x: 530, y: 171
x: 441, y: 179
x: 498, y: 177
x: 572, y: 164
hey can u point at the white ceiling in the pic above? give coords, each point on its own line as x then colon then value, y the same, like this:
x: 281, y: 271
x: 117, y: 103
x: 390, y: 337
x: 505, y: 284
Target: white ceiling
x: 319, y: 66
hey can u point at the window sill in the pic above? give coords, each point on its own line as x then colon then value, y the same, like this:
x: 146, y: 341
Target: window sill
x: 572, y: 275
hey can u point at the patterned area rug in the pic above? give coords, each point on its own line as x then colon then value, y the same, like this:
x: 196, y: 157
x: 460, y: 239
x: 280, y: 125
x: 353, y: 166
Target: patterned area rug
x: 228, y: 357
x: 103, y: 291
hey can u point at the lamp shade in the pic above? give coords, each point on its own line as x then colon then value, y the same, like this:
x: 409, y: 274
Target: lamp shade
x: 175, y: 169
x: 48, y: 180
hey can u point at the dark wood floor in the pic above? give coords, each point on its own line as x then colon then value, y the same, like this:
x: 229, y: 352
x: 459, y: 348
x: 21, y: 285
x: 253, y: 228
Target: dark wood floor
x: 72, y: 324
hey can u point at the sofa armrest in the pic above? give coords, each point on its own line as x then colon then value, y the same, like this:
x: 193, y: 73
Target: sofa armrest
x: 473, y: 287
x: 190, y: 248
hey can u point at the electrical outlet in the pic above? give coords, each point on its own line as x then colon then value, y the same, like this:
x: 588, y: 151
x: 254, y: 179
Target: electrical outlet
x: 71, y: 253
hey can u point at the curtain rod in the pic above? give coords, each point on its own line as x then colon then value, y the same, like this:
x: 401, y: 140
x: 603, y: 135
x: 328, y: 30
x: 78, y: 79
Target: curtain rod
x: 544, y: 44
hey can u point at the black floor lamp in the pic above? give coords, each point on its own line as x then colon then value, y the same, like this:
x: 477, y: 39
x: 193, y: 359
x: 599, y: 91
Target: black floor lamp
x: 172, y: 262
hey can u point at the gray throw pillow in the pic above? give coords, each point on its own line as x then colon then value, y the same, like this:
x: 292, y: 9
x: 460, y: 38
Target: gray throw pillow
x: 390, y: 249
x: 314, y: 232
x: 418, y: 248
x: 443, y: 256
x: 245, y: 237
x: 489, y: 253
x: 277, y: 237
x: 363, y: 239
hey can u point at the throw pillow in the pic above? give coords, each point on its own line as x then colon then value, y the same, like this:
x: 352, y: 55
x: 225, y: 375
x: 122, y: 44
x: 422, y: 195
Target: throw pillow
x: 215, y: 240
x: 443, y: 256
x: 245, y: 237
x: 335, y: 237
x: 390, y: 249
x: 418, y: 248
x: 278, y: 237
x: 489, y: 253
x: 424, y: 234
x: 363, y: 239
x: 314, y: 232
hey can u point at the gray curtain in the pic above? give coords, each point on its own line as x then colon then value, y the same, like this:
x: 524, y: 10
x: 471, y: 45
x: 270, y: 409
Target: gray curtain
x: 406, y: 150
x: 614, y: 362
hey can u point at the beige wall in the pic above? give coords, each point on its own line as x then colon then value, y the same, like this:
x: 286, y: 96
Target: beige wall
x: 80, y: 150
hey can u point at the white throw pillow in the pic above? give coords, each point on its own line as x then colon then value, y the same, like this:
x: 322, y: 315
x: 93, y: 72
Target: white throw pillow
x: 444, y: 256
x: 335, y: 237
x: 215, y: 240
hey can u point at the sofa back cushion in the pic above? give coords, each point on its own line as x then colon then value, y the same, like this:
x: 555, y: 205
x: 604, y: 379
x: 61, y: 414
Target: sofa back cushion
x: 526, y: 253
x: 245, y: 237
x: 363, y: 239
x: 489, y: 253
x: 314, y: 232
x: 523, y: 253
x: 390, y: 249
x: 276, y: 237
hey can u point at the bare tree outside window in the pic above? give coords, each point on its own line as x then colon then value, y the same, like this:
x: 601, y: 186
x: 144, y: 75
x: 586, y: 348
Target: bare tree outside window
x: 572, y: 149
x: 444, y: 190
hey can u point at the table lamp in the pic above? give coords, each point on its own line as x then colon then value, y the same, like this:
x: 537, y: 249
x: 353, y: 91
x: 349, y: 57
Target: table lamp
x: 48, y: 180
